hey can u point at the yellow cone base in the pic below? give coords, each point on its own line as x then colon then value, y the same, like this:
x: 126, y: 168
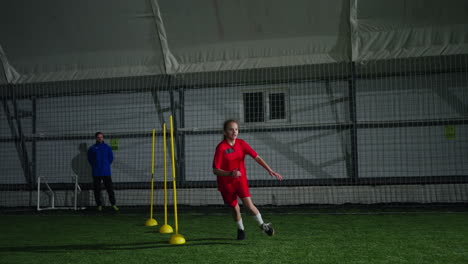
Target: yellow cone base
x: 177, y: 239
x: 151, y: 222
x: 166, y: 229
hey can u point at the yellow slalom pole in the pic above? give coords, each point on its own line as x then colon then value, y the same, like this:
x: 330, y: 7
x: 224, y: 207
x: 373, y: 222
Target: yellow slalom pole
x: 165, y: 229
x: 151, y: 221
x: 176, y: 238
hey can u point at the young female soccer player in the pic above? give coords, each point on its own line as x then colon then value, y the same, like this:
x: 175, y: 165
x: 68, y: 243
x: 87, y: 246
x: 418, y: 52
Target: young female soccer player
x: 228, y: 165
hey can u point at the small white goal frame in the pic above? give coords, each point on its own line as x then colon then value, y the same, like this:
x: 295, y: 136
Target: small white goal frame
x: 52, y: 194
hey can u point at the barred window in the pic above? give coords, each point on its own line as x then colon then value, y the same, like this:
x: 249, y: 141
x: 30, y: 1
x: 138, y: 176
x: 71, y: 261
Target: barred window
x: 264, y: 106
x: 253, y: 107
x: 277, y: 105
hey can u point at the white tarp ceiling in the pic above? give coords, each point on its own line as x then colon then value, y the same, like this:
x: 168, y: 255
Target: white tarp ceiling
x: 383, y: 29
x: 52, y: 40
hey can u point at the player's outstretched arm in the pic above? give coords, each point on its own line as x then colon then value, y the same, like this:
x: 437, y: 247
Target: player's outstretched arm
x: 272, y: 173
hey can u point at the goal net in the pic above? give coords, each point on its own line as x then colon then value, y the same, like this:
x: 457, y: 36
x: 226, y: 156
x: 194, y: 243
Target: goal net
x: 379, y: 132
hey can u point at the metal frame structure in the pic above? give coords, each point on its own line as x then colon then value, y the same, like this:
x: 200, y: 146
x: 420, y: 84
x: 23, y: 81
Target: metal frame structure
x: 52, y: 195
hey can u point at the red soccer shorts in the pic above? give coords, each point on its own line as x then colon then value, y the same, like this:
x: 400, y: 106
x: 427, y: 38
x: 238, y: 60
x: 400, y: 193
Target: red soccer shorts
x: 230, y: 191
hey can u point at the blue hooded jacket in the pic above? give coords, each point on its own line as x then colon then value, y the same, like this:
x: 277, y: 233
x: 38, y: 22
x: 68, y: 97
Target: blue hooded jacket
x: 100, y: 157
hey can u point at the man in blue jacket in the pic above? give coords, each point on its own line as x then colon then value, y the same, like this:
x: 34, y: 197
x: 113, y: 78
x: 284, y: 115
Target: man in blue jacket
x: 100, y: 157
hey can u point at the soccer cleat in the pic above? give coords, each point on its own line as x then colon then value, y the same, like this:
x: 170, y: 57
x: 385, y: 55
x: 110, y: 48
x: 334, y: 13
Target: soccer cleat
x: 240, y: 234
x: 99, y: 208
x: 115, y: 208
x: 267, y: 229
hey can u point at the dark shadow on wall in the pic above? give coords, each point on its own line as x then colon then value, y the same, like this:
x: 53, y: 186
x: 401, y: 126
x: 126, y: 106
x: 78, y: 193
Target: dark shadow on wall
x: 82, y: 169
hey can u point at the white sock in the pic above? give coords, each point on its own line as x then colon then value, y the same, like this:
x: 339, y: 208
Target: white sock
x: 258, y: 218
x: 240, y: 224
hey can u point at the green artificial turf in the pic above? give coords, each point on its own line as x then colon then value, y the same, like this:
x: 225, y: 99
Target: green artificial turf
x: 302, y: 237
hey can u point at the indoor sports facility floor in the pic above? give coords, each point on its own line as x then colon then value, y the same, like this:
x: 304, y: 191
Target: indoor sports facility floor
x: 303, y: 235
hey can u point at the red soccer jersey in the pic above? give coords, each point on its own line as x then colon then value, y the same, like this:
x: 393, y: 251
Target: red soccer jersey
x: 228, y: 158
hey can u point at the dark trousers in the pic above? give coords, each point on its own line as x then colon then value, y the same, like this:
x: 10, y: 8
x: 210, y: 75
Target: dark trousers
x: 97, y: 189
